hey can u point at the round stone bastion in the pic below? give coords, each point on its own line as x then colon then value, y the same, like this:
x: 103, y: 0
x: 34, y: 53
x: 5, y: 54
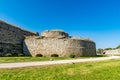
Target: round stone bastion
x: 58, y: 43
x: 54, y: 34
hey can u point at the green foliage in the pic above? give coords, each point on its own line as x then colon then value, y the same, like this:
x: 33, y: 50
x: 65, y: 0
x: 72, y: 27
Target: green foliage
x: 8, y: 55
x: 102, y: 55
x: 72, y: 55
x: 108, y: 48
x: 20, y: 54
x: 118, y: 47
x: 1, y: 50
x: 29, y: 59
x: 100, y: 51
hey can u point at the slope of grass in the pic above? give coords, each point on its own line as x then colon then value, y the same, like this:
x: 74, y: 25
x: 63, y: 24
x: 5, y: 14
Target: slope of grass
x: 102, y: 70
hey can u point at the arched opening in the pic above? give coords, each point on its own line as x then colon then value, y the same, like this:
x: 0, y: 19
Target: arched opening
x: 39, y: 55
x: 104, y: 52
x: 54, y: 55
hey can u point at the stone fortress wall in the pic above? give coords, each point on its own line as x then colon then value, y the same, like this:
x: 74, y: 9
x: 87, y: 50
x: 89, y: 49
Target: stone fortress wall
x: 11, y: 38
x: 55, y: 34
x: 15, y: 40
x: 116, y: 51
x: 58, y: 42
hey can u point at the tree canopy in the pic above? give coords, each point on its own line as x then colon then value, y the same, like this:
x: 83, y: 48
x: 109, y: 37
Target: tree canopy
x: 108, y: 48
x: 118, y: 47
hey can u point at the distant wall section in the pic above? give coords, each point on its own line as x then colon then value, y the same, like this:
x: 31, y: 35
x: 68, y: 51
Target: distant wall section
x: 116, y: 51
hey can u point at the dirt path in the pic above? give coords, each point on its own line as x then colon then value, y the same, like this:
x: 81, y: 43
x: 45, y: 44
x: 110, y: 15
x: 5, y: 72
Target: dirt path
x: 25, y: 64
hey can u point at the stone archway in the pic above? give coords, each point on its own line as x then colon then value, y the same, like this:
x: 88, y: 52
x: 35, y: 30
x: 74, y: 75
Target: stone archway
x: 39, y: 55
x: 54, y: 55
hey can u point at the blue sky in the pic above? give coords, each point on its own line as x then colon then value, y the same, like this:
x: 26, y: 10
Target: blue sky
x: 98, y: 20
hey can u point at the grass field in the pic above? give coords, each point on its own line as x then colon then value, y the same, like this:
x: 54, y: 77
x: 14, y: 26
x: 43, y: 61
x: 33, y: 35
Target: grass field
x: 28, y: 59
x: 102, y: 70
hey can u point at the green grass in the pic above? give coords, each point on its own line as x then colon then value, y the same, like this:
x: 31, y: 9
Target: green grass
x: 116, y: 54
x: 102, y: 55
x: 102, y: 70
x: 28, y: 59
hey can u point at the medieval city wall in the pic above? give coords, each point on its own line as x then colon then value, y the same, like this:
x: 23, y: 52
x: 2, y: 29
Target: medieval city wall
x: 15, y: 40
x: 116, y: 51
x: 11, y: 38
x: 61, y: 47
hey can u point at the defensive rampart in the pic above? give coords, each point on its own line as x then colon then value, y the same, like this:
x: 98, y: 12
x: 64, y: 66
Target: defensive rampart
x: 61, y: 47
x: 11, y: 38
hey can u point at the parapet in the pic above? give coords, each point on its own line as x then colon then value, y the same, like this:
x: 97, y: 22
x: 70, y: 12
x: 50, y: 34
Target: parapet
x: 54, y: 34
x: 9, y: 27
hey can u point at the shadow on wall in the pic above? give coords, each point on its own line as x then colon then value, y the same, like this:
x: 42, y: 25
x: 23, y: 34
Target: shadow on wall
x: 26, y: 50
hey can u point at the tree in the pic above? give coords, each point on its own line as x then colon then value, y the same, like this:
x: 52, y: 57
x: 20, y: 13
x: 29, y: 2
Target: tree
x: 108, y: 48
x: 100, y: 51
x: 118, y: 47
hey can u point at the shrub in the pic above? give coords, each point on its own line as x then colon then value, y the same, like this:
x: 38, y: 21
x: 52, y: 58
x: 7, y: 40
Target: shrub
x: 20, y: 54
x: 14, y: 54
x: 39, y: 55
x: 8, y: 55
x: 72, y: 55
x: 1, y: 55
x: 1, y: 50
x: 54, y: 55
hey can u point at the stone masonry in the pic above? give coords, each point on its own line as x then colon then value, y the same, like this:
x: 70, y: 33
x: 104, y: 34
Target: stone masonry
x: 11, y: 38
x: 51, y: 42
x: 116, y: 51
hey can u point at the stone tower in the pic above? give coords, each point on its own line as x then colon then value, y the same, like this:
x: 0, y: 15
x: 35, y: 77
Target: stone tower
x: 55, y: 42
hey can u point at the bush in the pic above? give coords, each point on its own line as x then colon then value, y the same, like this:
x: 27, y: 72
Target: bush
x: 72, y: 56
x: 8, y: 55
x: 39, y: 55
x: 20, y: 54
x: 1, y: 55
x: 1, y: 50
x: 14, y: 54
x: 54, y: 55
